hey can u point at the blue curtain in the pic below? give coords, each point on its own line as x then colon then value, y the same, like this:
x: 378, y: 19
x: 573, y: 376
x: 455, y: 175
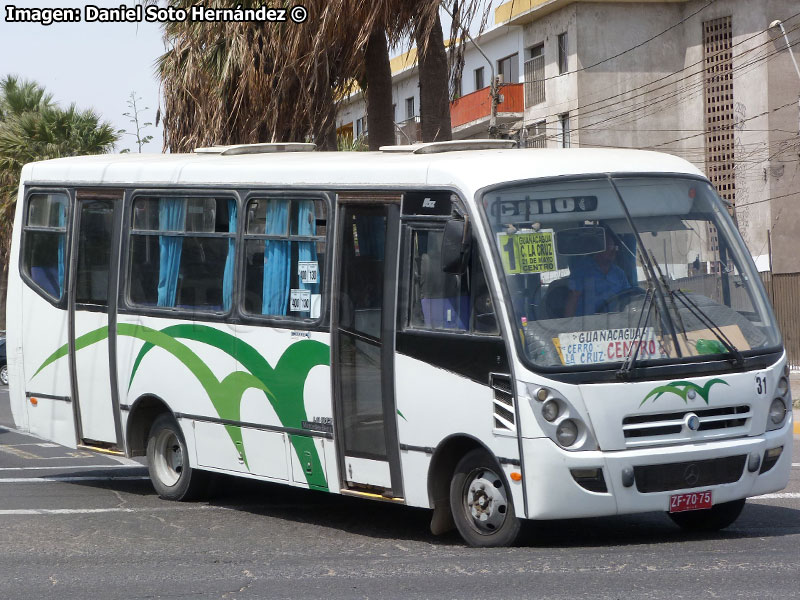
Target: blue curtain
x: 307, y: 251
x: 276, y: 260
x: 62, y: 220
x: 227, y: 279
x: 171, y: 217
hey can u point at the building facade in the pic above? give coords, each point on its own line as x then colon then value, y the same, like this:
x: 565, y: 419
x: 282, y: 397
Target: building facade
x: 712, y: 82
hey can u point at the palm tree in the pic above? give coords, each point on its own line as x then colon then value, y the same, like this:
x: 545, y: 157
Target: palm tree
x: 230, y: 83
x: 32, y: 128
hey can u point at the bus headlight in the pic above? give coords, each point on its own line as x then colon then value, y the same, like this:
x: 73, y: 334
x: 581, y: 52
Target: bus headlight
x: 777, y: 411
x: 559, y: 419
x: 783, y: 386
x: 550, y: 410
x: 567, y: 432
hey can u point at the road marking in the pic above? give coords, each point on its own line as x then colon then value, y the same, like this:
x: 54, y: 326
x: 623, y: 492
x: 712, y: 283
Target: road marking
x: 59, y: 479
x: 51, y: 467
x: 40, y: 444
x: 89, y: 511
x: 779, y: 496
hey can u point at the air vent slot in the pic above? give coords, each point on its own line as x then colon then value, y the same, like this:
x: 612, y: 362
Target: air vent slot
x: 504, y: 416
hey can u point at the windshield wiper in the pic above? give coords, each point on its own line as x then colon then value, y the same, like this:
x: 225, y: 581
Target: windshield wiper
x: 736, y: 355
x: 625, y: 371
x: 661, y: 303
x: 670, y: 294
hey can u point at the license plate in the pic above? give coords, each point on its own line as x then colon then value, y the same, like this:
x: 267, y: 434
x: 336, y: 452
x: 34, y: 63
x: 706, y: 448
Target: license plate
x: 690, y: 501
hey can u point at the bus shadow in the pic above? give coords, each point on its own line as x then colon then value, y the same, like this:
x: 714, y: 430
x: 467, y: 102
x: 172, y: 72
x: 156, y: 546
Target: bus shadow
x: 756, y: 521
x: 383, y: 520
x: 389, y: 521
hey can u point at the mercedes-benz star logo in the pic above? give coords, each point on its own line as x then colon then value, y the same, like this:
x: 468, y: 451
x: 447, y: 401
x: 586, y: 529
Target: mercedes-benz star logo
x: 691, y: 475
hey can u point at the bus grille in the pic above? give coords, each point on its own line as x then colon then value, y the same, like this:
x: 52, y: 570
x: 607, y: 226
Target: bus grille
x: 672, y: 427
x: 504, y: 418
x: 688, y: 475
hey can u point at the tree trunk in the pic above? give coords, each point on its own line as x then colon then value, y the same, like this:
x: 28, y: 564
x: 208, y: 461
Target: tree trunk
x: 380, y: 116
x: 434, y: 95
x: 324, y: 117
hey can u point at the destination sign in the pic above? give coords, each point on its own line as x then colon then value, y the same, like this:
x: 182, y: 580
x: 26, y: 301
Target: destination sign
x: 527, y: 252
x: 528, y: 209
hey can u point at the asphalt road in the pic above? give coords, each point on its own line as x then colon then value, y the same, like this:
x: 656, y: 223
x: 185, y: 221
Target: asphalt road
x: 79, y: 525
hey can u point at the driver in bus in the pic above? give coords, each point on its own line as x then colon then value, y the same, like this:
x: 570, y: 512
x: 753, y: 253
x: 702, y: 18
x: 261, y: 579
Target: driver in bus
x: 594, y: 280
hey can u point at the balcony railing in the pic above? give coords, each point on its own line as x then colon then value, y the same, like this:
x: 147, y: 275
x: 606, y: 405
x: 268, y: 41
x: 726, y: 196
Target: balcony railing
x: 534, y: 81
x: 478, y: 104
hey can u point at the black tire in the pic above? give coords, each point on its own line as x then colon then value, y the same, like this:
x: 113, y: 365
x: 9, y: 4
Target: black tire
x: 481, y: 502
x: 4, y: 375
x: 168, y: 462
x: 710, y: 519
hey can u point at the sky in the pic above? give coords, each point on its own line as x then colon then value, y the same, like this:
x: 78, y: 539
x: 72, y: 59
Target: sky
x: 94, y: 65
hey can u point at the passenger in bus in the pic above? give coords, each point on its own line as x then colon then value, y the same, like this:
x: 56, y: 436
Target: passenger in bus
x: 594, y: 280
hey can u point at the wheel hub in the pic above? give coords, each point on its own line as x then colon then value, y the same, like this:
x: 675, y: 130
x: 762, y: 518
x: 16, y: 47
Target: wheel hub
x: 486, y: 501
x: 168, y: 458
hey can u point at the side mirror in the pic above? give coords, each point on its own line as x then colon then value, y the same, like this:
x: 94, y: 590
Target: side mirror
x: 456, y: 246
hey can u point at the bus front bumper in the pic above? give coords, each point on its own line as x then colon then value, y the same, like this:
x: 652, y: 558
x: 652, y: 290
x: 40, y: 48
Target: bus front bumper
x: 658, y: 473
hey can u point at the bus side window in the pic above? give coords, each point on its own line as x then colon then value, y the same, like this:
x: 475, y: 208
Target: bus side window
x: 182, y: 252
x: 446, y: 301
x: 44, y: 244
x: 284, y: 256
x: 439, y: 300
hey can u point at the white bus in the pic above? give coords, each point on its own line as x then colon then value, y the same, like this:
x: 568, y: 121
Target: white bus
x: 495, y: 334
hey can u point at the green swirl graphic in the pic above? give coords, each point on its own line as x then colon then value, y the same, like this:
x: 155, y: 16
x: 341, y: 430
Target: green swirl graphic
x: 682, y: 389
x: 282, y: 385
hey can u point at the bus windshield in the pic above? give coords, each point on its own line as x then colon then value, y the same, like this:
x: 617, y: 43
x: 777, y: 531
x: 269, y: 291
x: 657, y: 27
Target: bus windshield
x: 608, y: 270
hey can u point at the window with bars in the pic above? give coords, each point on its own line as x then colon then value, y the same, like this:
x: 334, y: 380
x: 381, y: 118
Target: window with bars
x: 534, y: 76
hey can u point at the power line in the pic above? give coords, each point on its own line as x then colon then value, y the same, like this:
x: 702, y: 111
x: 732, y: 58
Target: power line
x: 669, y: 75
x: 581, y: 112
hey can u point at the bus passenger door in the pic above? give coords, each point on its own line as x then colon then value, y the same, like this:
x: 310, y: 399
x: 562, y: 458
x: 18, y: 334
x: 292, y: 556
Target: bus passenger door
x: 92, y: 309
x: 368, y: 231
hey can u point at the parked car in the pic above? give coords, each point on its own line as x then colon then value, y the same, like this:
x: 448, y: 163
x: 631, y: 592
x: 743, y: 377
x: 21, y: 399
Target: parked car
x: 3, y: 364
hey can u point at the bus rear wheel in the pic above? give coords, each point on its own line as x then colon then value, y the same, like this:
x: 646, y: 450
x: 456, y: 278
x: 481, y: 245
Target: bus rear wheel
x: 168, y: 462
x: 481, y: 502
x: 710, y: 519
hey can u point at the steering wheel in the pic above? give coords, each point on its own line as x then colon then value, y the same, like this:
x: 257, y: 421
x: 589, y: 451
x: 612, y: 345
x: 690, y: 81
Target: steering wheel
x: 620, y: 300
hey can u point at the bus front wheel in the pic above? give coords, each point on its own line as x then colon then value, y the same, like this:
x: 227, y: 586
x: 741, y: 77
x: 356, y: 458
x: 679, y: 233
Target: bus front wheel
x: 481, y: 502
x: 710, y: 519
x: 168, y: 462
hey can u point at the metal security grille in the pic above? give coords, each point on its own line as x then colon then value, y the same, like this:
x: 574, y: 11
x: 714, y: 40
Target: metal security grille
x: 534, y: 80
x: 719, y: 117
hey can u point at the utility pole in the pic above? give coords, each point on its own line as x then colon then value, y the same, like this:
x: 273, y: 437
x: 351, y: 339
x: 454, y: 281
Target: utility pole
x: 777, y: 23
x: 493, y: 90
